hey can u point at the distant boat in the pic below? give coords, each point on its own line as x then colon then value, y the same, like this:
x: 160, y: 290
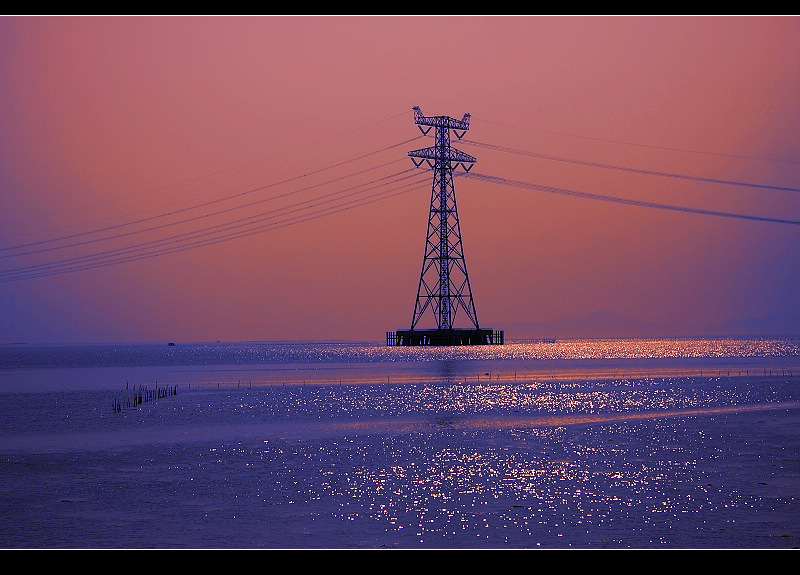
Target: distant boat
x: 171, y: 343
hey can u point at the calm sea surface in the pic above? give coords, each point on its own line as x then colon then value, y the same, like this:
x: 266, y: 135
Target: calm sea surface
x: 661, y: 443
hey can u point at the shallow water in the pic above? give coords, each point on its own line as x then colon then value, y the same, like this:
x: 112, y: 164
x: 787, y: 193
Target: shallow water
x: 578, y: 444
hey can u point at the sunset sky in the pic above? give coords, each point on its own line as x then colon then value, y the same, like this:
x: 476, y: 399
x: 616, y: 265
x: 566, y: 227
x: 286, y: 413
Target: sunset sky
x: 247, y: 178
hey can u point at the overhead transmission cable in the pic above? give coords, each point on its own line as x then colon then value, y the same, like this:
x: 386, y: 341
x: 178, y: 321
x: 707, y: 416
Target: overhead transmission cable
x: 211, y: 235
x: 640, y: 145
x: 641, y: 203
x: 195, y: 218
x: 631, y: 170
x: 230, y: 169
x: 206, y: 203
x: 302, y: 211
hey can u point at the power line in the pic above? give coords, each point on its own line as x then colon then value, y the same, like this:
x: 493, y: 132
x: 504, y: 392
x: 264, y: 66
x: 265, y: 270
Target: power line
x: 202, y: 216
x: 632, y: 170
x: 211, y: 235
x: 641, y: 203
x: 230, y: 169
x: 202, y: 204
x: 640, y: 145
x: 350, y: 197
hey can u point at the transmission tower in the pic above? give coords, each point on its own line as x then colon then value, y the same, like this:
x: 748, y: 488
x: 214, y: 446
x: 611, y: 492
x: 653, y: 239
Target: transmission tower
x: 444, y: 286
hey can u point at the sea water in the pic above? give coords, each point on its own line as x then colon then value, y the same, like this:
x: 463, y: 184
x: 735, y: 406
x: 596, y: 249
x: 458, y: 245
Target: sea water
x: 661, y: 443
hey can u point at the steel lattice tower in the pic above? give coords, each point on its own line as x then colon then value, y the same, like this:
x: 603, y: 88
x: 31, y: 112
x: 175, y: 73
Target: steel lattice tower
x: 444, y: 282
x: 444, y: 286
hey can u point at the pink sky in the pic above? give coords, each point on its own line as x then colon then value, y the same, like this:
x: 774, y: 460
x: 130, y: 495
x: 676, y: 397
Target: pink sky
x: 108, y: 121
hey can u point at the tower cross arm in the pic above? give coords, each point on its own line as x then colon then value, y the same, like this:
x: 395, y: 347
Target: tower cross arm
x: 433, y: 153
x: 441, y: 121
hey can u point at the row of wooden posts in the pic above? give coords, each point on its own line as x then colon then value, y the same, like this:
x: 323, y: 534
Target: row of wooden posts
x: 143, y: 394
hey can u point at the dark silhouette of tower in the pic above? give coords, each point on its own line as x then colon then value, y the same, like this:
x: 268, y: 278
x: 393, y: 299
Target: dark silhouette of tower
x: 444, y: 287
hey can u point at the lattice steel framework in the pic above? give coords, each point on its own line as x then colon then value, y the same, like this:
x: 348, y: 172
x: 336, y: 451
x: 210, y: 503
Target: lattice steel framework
x: 444, y: 283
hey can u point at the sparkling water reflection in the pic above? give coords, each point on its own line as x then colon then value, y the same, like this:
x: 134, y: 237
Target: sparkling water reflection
x: 318, y: 447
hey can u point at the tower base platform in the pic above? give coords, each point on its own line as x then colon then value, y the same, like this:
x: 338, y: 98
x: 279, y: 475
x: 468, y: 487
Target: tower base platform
x: 430, y: 337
